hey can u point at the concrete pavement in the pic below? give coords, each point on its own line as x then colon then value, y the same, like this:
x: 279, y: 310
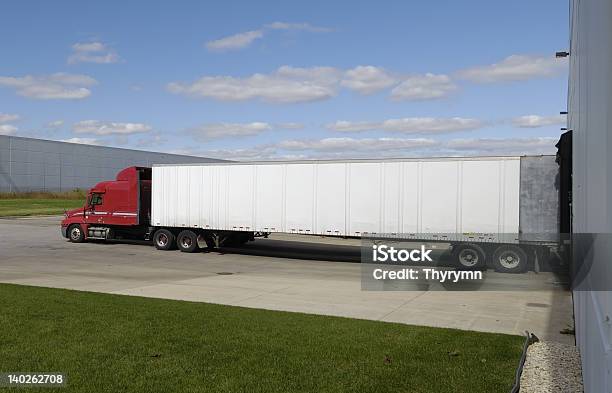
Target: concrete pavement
x: 289, y: 273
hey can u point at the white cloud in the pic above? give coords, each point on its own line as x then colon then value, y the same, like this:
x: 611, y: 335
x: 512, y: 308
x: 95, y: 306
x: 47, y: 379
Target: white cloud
x: 515, y: 68
x: 60, y: 86
x: 257, y: 153
x: 236, y: 41
x: 55, y: 124
x: 289, y: 126
x: 89, y: 47
x: 346, y: 148
x: 534, y: 121
x: 236, y: 130
x: 297, y: 26
x: 321, y: 75
x: 368, y: 79
x: 410, y: 125
x: 7, y: 129
x: 419, y: 147
x: 244, y: 39
x: 155, y: 140
x: 352, y: 144
x: 322, y: 148
x: 294, y: 84
x: 424, y: 87
x: 285, y: 85
x: 225, y: 130
x: 8, y: 117
x: 504, y: 146
x: 92, y: 52
x: 109, y: 128
x: 83, y: 141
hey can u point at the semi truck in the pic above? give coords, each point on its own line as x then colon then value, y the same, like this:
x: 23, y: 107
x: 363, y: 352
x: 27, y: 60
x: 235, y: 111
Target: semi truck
x: 499, y: 212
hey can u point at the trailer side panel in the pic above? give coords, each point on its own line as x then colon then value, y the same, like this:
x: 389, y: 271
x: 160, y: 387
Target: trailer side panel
x: 342, y: 198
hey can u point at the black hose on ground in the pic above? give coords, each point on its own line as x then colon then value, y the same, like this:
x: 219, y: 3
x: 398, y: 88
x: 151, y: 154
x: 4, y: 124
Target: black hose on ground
x: 530, y: 338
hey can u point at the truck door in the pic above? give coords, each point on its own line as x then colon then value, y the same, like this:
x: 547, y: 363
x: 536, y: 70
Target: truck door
x: 96, y: 213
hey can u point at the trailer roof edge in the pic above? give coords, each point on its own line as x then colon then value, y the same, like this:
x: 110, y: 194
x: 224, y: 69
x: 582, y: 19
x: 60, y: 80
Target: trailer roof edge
x: 357, y: 160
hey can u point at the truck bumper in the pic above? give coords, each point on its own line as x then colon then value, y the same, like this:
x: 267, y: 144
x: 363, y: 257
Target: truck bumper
x: 65, y: 232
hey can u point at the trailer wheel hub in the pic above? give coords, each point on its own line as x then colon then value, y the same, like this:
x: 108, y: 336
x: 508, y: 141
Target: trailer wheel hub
x: 186, y: 242
x: 468, y: 257
x: 509, y: 259
x: 75, y: 233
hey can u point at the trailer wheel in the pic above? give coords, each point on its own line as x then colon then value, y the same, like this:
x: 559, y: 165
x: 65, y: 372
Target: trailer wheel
x: 510, y: 259
x: 187, y: 241
x: 76, y: 234
x: 469, y: 257
x: 164, y: 240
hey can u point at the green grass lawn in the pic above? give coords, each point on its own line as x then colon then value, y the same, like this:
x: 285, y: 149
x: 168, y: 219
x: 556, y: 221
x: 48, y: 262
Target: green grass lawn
x: 115, y: 343
x: 33, y: 207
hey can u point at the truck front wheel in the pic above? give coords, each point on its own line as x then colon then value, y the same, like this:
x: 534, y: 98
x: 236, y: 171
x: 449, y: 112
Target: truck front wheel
x: 76, y: 234
x: 187, y: 241
x: 163, y: 240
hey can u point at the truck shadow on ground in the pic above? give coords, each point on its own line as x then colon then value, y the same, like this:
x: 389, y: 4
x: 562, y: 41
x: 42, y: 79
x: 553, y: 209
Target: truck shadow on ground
x: 306, y: 251
x: 530, y: 280
x: 296, y: 250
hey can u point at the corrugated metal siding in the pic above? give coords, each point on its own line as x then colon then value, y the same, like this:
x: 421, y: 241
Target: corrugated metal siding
x: 28, y: 164
x: 590, y: 111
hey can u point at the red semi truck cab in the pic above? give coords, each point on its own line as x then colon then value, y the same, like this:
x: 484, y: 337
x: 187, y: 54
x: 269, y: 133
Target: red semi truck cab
x: 113, y: 208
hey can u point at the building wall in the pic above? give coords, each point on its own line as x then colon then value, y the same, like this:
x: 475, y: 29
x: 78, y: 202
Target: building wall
x: 590, y: 118
x: 28, y: 164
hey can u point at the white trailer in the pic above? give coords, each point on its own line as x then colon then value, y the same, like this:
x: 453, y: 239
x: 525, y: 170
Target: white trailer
x: 468, y: 201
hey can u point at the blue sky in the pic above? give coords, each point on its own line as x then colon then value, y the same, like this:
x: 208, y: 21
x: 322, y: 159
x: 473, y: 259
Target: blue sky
x: 275, y: 80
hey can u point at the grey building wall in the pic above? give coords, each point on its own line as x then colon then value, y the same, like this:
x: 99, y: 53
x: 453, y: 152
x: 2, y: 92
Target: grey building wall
x: 28, y: 164
x: 590, y: 118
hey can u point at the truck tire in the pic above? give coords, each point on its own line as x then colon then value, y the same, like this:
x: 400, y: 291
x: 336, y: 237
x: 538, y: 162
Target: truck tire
x: 76, y: 234
x: 469, y: 257
x: 187, y: 241
x: 164, y: 240
x: 510, y: 259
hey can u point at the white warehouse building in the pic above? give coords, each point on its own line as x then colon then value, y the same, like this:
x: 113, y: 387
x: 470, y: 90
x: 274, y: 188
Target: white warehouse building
x: 28, y: 164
